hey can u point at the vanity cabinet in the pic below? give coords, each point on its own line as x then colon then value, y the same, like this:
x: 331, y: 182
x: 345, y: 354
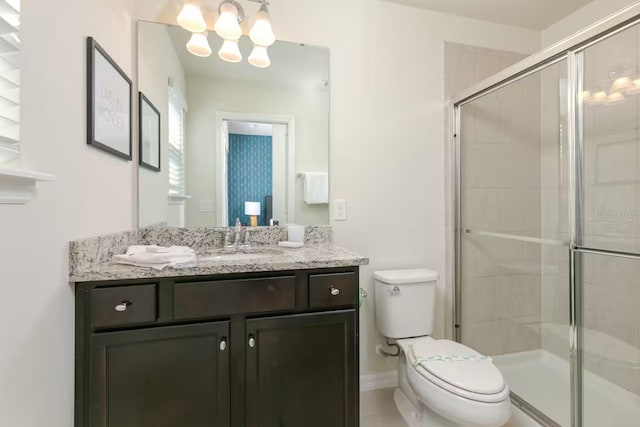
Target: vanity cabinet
x: 300, y: 370
x: 167, y: 376
x: 270, y: 349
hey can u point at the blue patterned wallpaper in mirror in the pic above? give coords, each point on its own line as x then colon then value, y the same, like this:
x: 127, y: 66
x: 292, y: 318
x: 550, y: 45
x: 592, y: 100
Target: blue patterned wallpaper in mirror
x: 250, y: 175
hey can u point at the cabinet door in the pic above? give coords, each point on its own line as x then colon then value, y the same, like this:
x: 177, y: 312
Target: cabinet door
x: 172, y: 376
x: 302, y: 370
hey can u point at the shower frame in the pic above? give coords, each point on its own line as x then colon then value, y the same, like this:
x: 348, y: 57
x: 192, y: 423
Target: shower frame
x: 570, y: 49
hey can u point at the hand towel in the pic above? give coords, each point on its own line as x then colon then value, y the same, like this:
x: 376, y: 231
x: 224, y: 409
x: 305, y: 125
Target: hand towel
x: 316, y: 188
x: 157, y: 257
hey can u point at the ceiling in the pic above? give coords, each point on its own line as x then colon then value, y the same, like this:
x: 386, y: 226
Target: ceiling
x: 532, y: 14
x: 292, y: 64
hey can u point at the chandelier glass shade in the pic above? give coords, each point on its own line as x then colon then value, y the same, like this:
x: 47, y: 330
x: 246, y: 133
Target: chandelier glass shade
x: 227, y: 26
x: 198, y: 45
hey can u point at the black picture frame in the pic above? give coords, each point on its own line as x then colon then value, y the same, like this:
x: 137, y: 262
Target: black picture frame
x: 149, y: 133
x: 109, y: 103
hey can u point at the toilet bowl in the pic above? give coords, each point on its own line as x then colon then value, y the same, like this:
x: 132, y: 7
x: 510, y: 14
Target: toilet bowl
x: 441, y: 383
x: 461, y: 386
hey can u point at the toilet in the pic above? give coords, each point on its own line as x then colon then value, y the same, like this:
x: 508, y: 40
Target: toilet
x: 441, y: 383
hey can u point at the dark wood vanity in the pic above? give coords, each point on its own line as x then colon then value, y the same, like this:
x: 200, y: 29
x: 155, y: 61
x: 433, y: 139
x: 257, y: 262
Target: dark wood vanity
x: 261, y: 349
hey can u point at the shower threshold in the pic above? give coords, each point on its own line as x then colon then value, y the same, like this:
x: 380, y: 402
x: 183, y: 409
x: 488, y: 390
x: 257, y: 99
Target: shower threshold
x: 542, y: 379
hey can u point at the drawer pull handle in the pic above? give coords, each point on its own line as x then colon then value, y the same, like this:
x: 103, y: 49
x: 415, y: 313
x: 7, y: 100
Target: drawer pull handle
x: 252, y: 341
x: 335, y: 291
x: 122, y: 306
x: 223, y: 344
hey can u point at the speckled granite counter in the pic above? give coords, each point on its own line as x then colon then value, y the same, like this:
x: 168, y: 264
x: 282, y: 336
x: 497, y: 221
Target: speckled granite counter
x: 317, y: 256
x: 90, y: 259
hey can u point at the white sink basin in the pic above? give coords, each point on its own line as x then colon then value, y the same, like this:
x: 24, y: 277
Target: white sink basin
x: 233, y: 257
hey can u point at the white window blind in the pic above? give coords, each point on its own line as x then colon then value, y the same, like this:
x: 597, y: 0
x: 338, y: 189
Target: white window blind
x: 9, y: 79
x: 176, y: 144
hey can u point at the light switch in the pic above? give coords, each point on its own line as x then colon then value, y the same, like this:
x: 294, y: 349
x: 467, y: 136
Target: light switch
x: 206, y: 205
x: 340, y: 210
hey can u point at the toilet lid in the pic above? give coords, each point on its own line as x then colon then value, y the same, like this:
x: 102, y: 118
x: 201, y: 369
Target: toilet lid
x: 457, y: 365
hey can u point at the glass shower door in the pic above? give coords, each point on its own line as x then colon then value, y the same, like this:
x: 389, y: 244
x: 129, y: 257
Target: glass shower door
x: 610, y: 222
x: 514, y: 250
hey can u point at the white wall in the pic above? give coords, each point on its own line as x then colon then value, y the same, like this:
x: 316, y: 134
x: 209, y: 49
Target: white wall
x: 94, y: 194
x: 157, y: 63
x: 583, y: 17
x: 206, y: 96
x: 386, y: 151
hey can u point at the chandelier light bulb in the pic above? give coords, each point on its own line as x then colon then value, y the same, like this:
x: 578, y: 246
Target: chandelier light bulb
x: 198, y: 45
x: 621, y: 84
x: 227, y: 25
x: 585, y: 96
x: 635, y: 87
x: 259, y: 57
x: 615, y: 98
x: 190, y: 18
x: 599, y: 98
x: 230, y: 51
x: 261, y: 32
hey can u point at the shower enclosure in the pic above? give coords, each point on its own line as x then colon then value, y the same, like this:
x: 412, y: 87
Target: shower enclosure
x: 547, y: 252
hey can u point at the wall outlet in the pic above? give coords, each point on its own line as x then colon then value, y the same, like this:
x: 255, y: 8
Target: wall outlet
x: 340, y: 210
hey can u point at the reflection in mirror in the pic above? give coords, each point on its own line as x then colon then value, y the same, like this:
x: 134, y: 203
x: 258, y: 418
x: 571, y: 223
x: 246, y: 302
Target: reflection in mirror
x: 234, y: 138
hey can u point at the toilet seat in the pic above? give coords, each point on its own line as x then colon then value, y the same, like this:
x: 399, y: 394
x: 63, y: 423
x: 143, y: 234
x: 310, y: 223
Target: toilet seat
x: 455, y: 368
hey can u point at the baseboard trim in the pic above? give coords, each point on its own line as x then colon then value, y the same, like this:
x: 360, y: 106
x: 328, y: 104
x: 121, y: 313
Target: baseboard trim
x: 377, y: 381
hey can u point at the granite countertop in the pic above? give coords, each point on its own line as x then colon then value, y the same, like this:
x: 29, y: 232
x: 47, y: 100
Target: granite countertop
x: 273, y: 258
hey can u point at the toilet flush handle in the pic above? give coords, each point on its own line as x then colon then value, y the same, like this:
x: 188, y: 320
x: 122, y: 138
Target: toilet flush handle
x: 394, y: 291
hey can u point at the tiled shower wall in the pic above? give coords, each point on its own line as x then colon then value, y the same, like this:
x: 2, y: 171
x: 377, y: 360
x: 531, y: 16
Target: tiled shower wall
x: 554, y: 157
x: 501, y: 193
x: 465, y: 66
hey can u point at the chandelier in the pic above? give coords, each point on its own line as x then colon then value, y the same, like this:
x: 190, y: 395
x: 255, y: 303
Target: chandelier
x: 621, y: 82
x: 227, y: 26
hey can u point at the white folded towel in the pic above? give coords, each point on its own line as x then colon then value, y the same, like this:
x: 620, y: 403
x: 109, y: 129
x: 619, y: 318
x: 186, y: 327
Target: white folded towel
x: 316, y: 188
x: 154, y: 256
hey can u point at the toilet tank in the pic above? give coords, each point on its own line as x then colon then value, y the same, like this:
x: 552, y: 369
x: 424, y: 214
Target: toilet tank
x: 405, y: 302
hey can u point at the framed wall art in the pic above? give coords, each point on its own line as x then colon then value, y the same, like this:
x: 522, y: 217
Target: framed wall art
x: 109, y: 103
x: 149, y: 137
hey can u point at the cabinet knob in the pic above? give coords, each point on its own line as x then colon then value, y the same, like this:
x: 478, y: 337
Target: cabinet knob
x: 252, y: 341
x: 223, y: 344
x: 123, y: 306
x: 335, y: 291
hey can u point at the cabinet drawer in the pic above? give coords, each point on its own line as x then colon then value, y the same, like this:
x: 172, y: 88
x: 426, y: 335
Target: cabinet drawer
x: 332, y: 290
x: 227, y: 297
x: 123, y: 305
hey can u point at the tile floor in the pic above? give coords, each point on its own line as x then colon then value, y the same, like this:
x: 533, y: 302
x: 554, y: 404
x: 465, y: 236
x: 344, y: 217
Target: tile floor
x: 378, y: 410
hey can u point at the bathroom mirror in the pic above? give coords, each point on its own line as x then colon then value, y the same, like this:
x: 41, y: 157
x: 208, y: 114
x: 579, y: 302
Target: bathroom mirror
x: 232, y: 133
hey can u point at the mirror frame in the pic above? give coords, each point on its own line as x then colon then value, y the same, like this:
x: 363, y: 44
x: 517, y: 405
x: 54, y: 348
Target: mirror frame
x: 221, y: 177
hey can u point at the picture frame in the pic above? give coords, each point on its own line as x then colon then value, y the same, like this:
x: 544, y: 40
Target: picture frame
x: 149, y: 134
x: 109, y: 103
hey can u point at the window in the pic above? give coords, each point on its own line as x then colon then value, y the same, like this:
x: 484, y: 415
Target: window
x: 9, y: 80
x: 176, y: 143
